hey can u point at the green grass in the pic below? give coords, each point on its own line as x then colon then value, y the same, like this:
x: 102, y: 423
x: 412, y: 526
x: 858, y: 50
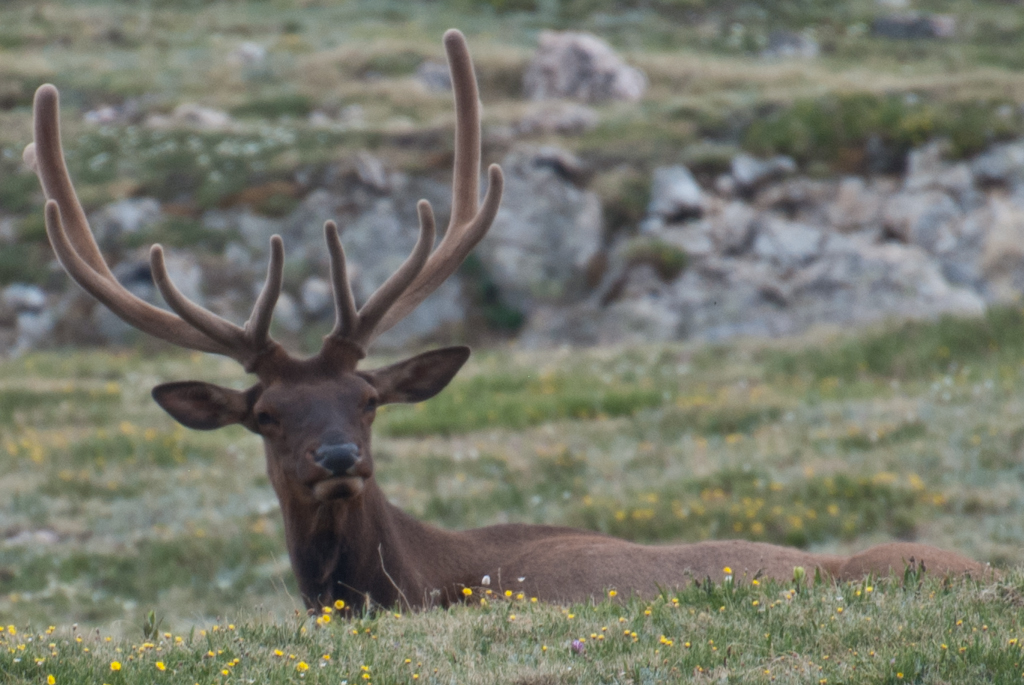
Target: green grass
x: 110, y: 511
x: 882, y: 631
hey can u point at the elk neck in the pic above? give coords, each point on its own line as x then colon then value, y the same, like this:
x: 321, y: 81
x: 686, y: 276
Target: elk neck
x: 368, y: 552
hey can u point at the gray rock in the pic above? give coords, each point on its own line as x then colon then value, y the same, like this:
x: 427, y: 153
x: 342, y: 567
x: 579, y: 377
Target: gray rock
x: 1002, y: 259
x: 914, y: 25
x: 790, y: 44
x: 34, y: 331
x: 928, y: 170
x: 124, y: 217
x: 856, y: 205
x: 675, y: 194
x: 785, y: 244
x: 434, y: 76
x: 750, y: 172
x: 583, y: 67
x: 22, y: 297
x: 1002, y: 164
x: 928, y: 218
x: 193, y: 116
x: 545, y: 235
x: 732, y: 227
x: 317, y: 297
x: 287, y: 314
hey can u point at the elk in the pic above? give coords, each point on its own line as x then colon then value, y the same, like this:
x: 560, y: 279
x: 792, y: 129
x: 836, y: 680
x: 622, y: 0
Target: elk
x: 344, y: 539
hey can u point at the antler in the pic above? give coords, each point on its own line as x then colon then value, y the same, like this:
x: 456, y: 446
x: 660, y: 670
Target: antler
x: 194, y: 328
x: 424, y: 271
x: 197, y: 328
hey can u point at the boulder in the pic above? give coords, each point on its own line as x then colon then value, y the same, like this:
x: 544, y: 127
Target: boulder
x: 928, y: 218
x: 732, y: 227
x: 118, y: 219
x: 911, y: 25
x: 749, y: 172
x: 791, y: 45
x: 545, y: 235
x: 583, y: 67
x: 675, y: 194
x: 433, y: 76
x: 1000, y: 165
x: 1002, y: 259
x: 856, y: 205
x: 785, y: 244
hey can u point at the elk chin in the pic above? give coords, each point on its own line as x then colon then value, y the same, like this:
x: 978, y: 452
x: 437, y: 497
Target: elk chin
x: 345, y: 487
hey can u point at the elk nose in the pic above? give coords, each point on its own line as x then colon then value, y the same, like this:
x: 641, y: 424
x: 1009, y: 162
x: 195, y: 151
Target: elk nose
x: 339, y: 458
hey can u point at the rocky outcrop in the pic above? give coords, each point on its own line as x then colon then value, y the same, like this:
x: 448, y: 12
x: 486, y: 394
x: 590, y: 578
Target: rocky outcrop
x: 764, y: 252
x: 580, y: 66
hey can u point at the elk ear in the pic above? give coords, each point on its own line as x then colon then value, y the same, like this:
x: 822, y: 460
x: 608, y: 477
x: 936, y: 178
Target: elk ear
x: 204, y: 406
x: 418, y: 378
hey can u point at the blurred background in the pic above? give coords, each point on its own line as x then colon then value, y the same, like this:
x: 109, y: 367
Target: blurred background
x: 756, y: 274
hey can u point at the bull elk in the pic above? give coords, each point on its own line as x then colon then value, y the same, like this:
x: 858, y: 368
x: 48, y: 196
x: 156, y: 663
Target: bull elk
x: 345, y: 540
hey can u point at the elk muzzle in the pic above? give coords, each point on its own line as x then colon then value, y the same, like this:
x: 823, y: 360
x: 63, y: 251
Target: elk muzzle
x: 339, y: 459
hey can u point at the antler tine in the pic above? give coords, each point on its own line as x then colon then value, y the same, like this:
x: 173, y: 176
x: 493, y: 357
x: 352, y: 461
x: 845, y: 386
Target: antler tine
x: 374, y: 309
x: 469, y: 220
x: 345, y: 315
x: 257, y: 328
x: 465, y: 181
x: 76, y: 249
x: 49, y: 165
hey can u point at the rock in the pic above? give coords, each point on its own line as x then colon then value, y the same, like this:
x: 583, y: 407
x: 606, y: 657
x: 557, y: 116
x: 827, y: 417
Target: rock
x: 583, y: 67
x: 248, y: 54
x: 856, y: 205
x: 317, y: 297
x: 286, y: 314
x: 122, y: 218
x: 22, y: 297
x: 1000, y: 165
x: 434, y: 76
x: 545, y: 235
x: 191, y: 115
x: 129, y: 112
x: 927, y: 170
x: 790, y: 44
x: 914, y: 25
x: 372, y: 173
x: 732, y: 227
x: 34, y: 331
x: 928, y: 218
x: 1002, y: 260
x: 749, y: 172
x: 563, y: 118
x: 675, y: 194
x: 785, y: 244
x: 694, y: 238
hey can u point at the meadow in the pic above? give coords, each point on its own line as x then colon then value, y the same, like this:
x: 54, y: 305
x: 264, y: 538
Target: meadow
x: 132, y: 550
x: 128, y: 539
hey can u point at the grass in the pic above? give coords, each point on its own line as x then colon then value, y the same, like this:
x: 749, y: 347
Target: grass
x: 894, y: 631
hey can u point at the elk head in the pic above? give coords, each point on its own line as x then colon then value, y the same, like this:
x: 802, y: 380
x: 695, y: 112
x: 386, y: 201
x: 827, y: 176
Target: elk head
x: 314, y: 414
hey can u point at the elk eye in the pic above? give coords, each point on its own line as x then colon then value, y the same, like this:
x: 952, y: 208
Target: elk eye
x: 371, y: 406
x: 265, y: 419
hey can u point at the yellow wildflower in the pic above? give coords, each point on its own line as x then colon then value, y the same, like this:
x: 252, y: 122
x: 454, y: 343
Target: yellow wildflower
x: 160, y: 666
x: 302, y: 667
x: 115, y: 665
